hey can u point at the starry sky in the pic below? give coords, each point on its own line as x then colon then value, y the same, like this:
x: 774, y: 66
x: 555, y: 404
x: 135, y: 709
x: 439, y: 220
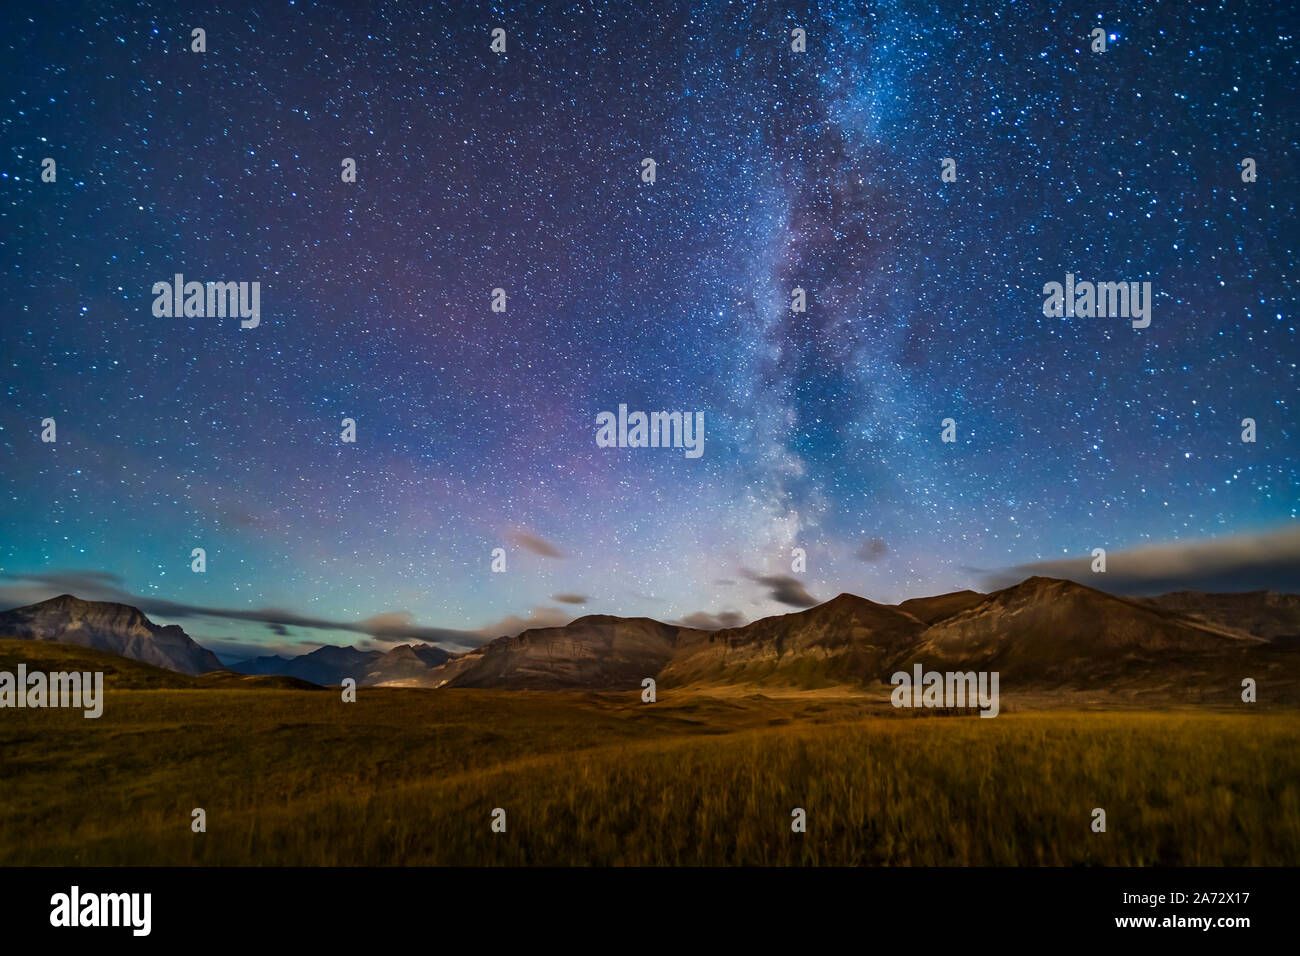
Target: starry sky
x: 521, y: 170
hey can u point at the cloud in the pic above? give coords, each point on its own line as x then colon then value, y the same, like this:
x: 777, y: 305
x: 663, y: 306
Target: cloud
x: 1268, y: 560
x: 873, y: 549
x: 784, y: 589
x: 570, y: 598
x: 396, y: 627
x: 530, y: 542
x: 514, y: 625
x: 704, y: 621
x: 70, y: 581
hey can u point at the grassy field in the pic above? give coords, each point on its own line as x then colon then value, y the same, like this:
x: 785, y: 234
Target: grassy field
x: 412, y: 777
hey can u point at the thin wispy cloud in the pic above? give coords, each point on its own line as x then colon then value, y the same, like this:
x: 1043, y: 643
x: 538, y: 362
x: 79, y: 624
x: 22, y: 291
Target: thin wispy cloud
x: 873, y: 549
x: 531, y: 542
x: 570, y: 598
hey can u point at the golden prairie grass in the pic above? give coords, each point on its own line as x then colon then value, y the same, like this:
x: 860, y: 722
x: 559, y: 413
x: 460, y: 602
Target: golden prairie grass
x: 412, y: 777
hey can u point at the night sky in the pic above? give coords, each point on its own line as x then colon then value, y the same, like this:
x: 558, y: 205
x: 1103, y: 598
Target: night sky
x: 776, y: 169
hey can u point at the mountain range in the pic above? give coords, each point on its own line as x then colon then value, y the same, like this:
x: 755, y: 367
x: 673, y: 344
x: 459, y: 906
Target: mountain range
x: 1043, y: 632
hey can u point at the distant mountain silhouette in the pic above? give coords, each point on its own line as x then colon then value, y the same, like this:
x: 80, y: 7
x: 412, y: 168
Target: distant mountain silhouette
x: 105, y: 626
x: 328, y: 666
x: 407, y: 665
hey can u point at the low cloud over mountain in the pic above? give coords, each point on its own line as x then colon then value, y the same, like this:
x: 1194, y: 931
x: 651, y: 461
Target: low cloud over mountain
x: 1267, y: 560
